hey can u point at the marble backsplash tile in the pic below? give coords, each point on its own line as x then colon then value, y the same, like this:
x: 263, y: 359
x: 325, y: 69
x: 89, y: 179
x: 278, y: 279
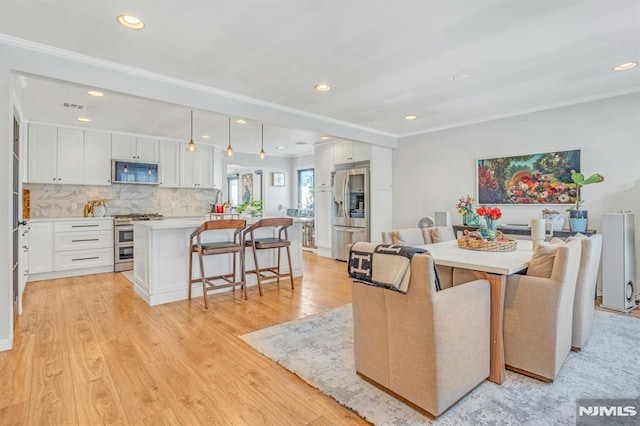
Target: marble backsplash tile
x: 56, y: 200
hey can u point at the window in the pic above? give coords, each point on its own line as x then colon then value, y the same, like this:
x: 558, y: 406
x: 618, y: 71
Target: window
x: 305, y: 191
x: 232, y: 189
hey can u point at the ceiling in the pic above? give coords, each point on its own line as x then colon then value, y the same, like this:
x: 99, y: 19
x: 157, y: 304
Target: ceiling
x: 384, y: 59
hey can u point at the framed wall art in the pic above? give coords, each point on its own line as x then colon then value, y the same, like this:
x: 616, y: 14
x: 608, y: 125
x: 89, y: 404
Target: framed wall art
x: 277, y: 179
x: 247, y: 187
x: 528, y: 179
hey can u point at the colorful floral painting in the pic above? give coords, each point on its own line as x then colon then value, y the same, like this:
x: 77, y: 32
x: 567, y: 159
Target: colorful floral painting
x: 528, y: 179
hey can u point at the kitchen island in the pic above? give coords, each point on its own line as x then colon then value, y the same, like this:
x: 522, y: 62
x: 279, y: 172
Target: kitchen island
x: 161, y: 261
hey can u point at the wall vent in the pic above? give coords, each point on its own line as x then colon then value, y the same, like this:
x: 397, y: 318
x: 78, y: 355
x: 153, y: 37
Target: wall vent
x: 72, y: 105
x: 301, y: 143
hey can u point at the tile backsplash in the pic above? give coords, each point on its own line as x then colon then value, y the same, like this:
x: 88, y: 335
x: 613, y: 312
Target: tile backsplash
x: 57, y: 200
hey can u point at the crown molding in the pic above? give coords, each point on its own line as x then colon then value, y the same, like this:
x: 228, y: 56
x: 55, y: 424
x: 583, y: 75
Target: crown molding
x: 540, y: 108
x: 139, y: 72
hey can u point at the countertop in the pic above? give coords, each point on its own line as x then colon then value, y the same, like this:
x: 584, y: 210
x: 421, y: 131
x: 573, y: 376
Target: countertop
x: 175, y: 223
x: 66, y: 219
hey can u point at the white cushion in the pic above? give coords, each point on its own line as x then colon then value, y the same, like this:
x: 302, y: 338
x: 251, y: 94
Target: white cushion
x: 442, y: 233
x: 409, y: 237
x: 541, y: 263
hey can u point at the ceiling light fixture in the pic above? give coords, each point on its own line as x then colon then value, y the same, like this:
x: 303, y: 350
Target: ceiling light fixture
x: 411, y: 117
x: 324, y: 138
x: 241, y: 121
x: 130, y: 21
x: 84, y: 119
x: 229, y: 149
x: 191, y: 147
x: 95, y: 93
x: 262, y: 154
x: 625, y: 66
x: 279, y: 147
x: 206, y: 137
x: 322, y: 87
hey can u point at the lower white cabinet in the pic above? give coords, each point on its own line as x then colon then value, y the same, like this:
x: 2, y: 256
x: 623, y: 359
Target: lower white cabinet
x: 70, y: 247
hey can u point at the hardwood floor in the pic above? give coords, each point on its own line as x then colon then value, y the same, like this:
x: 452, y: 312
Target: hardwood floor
x: 89, y: 351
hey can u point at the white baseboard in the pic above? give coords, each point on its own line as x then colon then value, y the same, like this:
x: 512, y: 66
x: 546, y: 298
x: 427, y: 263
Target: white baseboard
x: 70, y: 273
x: 6, y: 344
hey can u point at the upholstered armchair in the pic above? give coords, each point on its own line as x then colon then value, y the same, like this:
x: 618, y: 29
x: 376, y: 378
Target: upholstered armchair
x: 538, y: 315
x: 429, y: 347
x: 583, y: 305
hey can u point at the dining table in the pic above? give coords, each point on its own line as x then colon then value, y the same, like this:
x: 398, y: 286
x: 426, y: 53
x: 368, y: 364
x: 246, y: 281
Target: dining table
x: 495, y: 267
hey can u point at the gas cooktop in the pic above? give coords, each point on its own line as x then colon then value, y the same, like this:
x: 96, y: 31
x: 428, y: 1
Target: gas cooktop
x: 130, y: 217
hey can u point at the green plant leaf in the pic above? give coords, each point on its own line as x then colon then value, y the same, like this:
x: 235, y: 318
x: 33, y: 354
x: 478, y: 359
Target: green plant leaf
x: 594, y: 178
x: 576, y: 177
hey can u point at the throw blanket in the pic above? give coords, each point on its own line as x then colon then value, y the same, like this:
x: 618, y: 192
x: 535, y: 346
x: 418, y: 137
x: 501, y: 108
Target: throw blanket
x: 383, y: 265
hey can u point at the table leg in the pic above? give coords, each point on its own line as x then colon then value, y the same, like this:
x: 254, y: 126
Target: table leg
x: 497, y: 284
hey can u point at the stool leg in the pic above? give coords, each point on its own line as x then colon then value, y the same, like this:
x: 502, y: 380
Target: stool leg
x: 204, y: 283
x: 278, y: 265
x: 234, y: 270
x: 190, y: 271
x: 243, y: 274
x: 290, y: 267
x: 255, y: 262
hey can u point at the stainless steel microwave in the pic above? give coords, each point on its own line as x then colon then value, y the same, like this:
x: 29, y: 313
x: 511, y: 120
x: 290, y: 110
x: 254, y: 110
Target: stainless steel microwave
x: 132, y: 172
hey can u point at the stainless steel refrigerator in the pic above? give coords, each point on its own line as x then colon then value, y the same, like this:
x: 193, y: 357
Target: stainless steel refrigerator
x: 350, y: 207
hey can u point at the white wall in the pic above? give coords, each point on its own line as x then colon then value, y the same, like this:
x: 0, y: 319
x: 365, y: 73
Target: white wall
x: 431, y: 171
x: 6, y: 166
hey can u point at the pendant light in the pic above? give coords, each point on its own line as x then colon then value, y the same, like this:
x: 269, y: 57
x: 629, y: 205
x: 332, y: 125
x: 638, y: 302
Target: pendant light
x: 191, y: 147
x: 262, y: 154
x: 229, y: 149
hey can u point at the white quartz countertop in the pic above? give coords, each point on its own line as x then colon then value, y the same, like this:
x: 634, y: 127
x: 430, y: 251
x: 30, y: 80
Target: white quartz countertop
x: 180, y: 223
x: 68, y: 219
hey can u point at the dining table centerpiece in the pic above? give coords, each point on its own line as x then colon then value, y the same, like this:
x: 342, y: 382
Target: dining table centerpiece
x: 490, y: 216
x: 465, y: 208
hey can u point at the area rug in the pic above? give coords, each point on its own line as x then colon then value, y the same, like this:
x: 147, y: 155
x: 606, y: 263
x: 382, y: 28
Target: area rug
x: 319, y: 349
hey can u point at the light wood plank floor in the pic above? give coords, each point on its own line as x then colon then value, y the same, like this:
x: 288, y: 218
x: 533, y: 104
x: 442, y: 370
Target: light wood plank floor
x: 89, y: 351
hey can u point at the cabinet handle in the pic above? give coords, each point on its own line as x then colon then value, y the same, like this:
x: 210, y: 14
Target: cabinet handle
x: 84, y: 226
x: 85, y: 258
x: 87, y: 239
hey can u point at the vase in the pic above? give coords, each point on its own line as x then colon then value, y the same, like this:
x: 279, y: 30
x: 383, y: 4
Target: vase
x: 556, y: 219
x: 99, y: 211
x: 578, y: 220
x: 470, y: 219
x: 489, y: 230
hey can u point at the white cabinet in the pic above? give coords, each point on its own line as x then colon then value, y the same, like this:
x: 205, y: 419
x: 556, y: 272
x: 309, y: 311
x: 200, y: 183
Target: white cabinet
x: 56, y: 155
x: 134, y: 148
x: 350, y: 152
x: 97, y: 158
x: 40, y: 247
x: 323, y: 219
x: 169, y: 168
x: 381, y: 191
x: 323, y: 166
x: 83, y: 244
x: 196, y: 168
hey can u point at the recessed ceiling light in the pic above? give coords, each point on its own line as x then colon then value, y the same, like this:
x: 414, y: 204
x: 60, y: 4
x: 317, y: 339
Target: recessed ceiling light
x: 411, y: 117
x: 130, y: 21
x: 626, y: 66
x: 279, y: 147
x: 322, y: 87
x: 206, y: 137
x: 324, y: 138
x: 461, y: 77
x: 241, y: 121
x: 84, y: 119
x: 95, y: 93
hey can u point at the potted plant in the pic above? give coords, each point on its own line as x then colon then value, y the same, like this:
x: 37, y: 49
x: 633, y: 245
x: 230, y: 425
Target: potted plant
x: 251, y: 208
x: 577, y: 217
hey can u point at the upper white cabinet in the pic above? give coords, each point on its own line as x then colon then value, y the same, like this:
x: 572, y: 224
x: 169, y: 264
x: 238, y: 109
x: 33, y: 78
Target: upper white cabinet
x: 134, y: 148
x: 196, y: 168
x: 350, y: 152
x: 169, y: 164
x: 323, y: 166
x: 56, y: 155
x: 97, y: 158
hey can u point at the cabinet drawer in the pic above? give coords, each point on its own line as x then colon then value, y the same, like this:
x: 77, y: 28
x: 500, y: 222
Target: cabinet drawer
x: 80, y: 259
x: 65, y: 241
x: 85, y: 225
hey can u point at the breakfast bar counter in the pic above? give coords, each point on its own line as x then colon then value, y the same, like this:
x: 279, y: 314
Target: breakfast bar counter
x: 161, y: 261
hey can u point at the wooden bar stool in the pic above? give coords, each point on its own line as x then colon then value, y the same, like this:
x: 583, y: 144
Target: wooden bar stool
x: 278, y: 241
x: 234, y: 247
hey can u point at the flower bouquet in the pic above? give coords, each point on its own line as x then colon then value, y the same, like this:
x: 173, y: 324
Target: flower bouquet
x: 490, y: 215
x: 465, y: 208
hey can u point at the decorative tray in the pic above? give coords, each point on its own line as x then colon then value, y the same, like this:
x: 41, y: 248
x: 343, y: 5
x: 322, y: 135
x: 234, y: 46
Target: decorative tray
x: 475, y: 241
